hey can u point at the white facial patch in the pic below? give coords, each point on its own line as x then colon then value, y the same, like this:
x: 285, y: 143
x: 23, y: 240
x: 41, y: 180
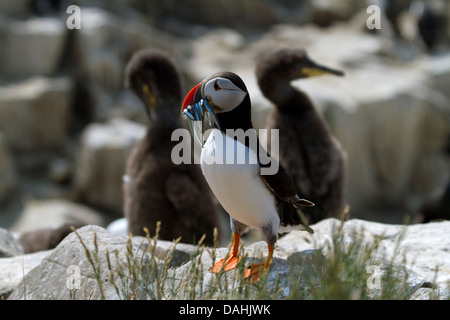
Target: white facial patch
x: 223, y: 93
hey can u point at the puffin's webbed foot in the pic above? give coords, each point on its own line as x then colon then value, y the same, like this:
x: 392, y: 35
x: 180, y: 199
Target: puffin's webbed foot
x: 252, y: 272
x: 226, y: 264
x: 230, y: 262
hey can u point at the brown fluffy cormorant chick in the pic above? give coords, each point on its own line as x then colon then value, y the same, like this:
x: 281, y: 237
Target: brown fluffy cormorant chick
x: 156, y: 189
x: 307, y: 149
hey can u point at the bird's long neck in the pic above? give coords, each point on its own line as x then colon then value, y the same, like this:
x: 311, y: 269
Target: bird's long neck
x: 160, y: 129
x: 294, y: 102
x: 165, y: 116
x: 169, y: 115
x: 279, y: 90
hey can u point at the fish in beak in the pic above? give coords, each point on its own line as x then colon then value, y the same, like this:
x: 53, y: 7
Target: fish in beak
x: 198, y: 109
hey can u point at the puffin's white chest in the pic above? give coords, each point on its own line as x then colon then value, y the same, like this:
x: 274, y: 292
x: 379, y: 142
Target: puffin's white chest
x: 236, y: 183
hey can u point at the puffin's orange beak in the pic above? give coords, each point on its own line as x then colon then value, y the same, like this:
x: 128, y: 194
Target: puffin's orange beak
x: 190, y: 98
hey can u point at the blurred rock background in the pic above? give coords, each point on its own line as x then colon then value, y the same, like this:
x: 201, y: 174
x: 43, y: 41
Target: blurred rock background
x: 67, y: 124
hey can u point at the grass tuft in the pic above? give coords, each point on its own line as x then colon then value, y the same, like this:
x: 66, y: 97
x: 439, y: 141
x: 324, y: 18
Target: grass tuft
x: 346, y: 267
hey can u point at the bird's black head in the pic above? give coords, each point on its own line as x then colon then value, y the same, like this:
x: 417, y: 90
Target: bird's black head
x: 227, y: 95
x: 153, y: 76
x: 223, y: 90
x: 290, y: 64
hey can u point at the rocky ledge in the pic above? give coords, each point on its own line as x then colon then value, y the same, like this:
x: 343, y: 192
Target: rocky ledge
x: 421, y: 251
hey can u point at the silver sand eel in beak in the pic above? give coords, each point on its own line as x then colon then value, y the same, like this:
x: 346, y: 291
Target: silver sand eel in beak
x: 197, y: 112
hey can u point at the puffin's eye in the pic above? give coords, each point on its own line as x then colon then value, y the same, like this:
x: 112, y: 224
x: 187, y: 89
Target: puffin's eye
x: 216, y: 85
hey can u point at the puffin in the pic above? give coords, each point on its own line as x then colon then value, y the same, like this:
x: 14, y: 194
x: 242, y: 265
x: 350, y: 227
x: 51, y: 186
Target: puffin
x: 307, y: 148
x: 254, y: 200
x: 154, y: 185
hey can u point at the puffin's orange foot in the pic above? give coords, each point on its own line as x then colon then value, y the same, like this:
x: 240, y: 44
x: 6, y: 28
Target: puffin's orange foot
x: 227, y: 264
x: 252, y: 272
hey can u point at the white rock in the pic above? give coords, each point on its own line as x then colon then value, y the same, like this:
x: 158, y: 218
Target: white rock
x: 423, y: 294
x: 105, y: 41
x: 105, y: 67
x: 119, y: 227
x: 424, y: 246
x: 15, y: 268
x: 102, y: 158
x: 9, y: 244
x: 438, y: 69
x: 39, y: 214
x: 34, y: 46
x: 71, y: 255
x: 35, y: 113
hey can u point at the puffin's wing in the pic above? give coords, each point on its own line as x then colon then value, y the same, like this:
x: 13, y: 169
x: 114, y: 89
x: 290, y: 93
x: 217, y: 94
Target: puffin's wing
x: 282, y: 185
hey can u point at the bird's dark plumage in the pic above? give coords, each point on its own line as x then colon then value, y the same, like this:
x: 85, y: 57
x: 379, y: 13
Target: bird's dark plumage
x: 432, y: 27
x: 280, y: 183
x: 155, y: 188
x: 233, y: 163
x: 307, y: 149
